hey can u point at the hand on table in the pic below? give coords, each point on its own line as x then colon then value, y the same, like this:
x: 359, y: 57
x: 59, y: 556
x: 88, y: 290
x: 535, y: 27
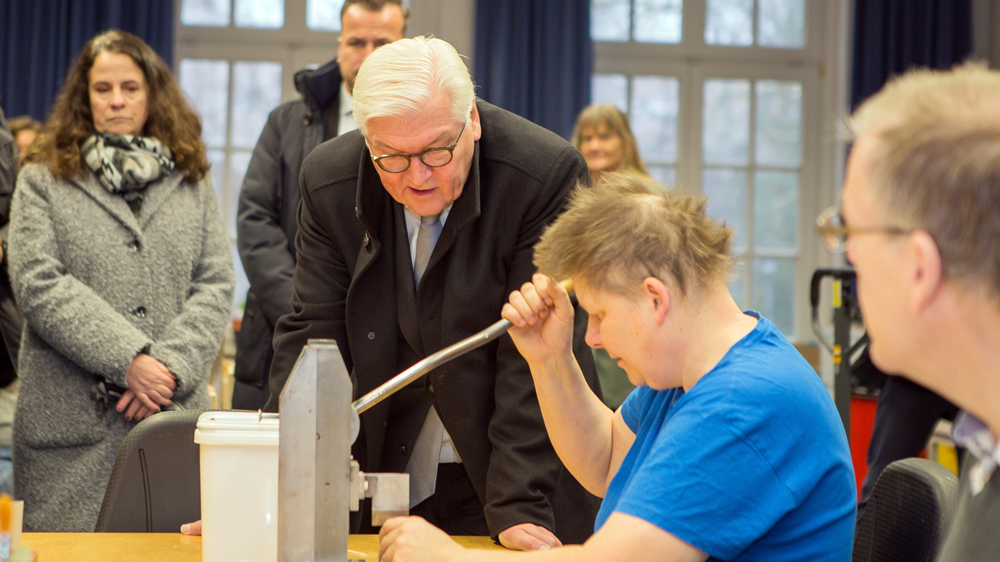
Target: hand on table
x: 150, y: 385
x: 542, y: 315
x: 528, y: 536
x: 411, y: 539
x: 191, y: 528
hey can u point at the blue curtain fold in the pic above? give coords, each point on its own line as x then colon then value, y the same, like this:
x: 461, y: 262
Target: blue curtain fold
x: 892, y: 36
x: 535, y: 58
x: 40, y: 40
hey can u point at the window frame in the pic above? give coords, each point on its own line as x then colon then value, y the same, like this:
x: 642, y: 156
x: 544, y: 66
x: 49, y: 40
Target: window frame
x: 692, y: 61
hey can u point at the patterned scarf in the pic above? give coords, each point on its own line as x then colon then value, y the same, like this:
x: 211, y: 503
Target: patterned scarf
x: 126, y: 164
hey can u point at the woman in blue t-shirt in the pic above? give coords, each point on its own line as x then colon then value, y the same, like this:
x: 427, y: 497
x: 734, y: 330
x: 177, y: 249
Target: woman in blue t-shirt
x: 730, y: 449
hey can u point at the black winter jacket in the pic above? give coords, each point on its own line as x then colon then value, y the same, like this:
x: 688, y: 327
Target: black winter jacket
x: 266, y: 216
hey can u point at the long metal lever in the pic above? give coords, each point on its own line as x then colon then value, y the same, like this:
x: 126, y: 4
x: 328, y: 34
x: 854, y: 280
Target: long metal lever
x: 437, y: 359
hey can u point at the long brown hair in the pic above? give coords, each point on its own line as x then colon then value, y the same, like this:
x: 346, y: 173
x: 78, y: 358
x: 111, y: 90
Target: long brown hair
x: 596, y: 115
x: 170, y: 119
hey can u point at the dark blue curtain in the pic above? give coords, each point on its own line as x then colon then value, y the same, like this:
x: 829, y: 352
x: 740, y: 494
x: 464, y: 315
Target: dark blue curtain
x: 40, y: 39
x: 535, y: 58
x: 892, y: 36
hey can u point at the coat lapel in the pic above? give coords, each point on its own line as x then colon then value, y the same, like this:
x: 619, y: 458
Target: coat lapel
x: 156, y: 194
x: 115, y: 205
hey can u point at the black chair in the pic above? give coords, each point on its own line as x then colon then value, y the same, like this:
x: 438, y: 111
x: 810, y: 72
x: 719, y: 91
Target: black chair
x: 908, y: 514
x: 155, y: 486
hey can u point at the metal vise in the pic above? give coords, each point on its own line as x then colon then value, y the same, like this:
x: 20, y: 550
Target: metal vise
x: 318, y: 481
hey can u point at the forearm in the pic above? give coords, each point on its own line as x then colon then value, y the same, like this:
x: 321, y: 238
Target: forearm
x: 578, y: 423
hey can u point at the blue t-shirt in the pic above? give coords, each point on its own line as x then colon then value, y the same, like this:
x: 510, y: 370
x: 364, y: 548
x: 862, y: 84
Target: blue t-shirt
x: 751, y: 464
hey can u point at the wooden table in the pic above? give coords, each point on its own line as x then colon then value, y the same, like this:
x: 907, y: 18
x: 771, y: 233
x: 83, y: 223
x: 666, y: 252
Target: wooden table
x: 167, y: 547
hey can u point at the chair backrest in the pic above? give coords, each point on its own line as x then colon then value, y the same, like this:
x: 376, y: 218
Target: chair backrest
x: 909, y: 513
x: 155, y: 486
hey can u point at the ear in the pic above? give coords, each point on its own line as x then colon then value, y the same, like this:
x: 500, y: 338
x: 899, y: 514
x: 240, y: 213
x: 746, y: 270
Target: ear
x: 477, y: 129
x: 927, y: 270
x: 659, y: 296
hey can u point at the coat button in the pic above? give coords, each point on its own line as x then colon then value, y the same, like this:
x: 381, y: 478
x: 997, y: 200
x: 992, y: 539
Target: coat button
x: 371, y: 335
x: 133, y: 245
x: 140, y: 312
x: 403, y: 448
x: 430, y: 388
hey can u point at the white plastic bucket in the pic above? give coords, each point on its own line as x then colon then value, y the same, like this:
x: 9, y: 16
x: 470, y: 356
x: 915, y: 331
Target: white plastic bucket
x: 239, y: 486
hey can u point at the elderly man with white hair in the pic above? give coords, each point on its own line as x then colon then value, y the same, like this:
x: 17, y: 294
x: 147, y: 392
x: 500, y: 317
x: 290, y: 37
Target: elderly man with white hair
x: 412, y: 232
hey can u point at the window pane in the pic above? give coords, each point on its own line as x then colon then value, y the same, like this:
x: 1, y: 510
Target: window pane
x: 268, y: 14
x: 657, y: 21
x: 609, y: 20
x: 773, y: 293
x: 208, y: 13
x: 654, y: 117
x: 206, y: 83
x: 610, y: 88
x: 727, y: 201
x: 729, y: 22
x: 323, y: 15
x: 256, y: 91
x: 779, y: 123
x: 726, y: 116
x: 238, y: 163
x: 667, y: 175
x: 217, y: 161
x: 776, y: 210
x: 782, y: 23
x: 737, y: 281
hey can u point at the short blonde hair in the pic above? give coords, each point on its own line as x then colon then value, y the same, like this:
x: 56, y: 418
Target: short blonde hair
x: 627, y: 228
x: 935, y: 164
x: 609, y: 116
x: 411, y: 75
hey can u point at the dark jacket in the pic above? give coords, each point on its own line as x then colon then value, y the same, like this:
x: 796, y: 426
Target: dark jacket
x: 11, y: 320
x: 8, y: 168
x: 353, y: 283
x: 265, y: 225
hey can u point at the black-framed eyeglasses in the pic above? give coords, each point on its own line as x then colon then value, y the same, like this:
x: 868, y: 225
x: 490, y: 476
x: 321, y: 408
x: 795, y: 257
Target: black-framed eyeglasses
x: 836, y: 234
x: 432, y: 157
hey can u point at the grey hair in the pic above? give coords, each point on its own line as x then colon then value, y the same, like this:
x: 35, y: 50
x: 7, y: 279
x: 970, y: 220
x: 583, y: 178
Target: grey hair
x: 411, y: 75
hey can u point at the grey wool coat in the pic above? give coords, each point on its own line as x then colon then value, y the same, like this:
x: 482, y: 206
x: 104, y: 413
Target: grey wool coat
x: 97, y: 286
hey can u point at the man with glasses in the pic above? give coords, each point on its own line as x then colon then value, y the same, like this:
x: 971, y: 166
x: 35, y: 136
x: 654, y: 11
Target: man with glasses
x: 907, y: 413
x: 920, y: 224
x: 412, y: 232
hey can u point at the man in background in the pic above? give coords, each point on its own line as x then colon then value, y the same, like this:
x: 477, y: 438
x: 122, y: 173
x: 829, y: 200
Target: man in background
x: 919, y: 221
x: 269, y: 199
x: 25, y: 129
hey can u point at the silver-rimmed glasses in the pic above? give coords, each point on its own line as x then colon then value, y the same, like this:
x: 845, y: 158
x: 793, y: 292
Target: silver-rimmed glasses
x: 837, y: 235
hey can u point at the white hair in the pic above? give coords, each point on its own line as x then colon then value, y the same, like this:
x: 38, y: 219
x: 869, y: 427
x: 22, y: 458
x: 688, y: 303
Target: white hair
x: 410, y: 75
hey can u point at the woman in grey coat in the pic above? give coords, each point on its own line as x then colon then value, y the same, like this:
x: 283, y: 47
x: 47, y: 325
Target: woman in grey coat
x: 122, y: 267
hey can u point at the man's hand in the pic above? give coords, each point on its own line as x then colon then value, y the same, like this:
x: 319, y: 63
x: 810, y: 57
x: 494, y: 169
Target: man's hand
x: 151, y: 383
x: 528, y: 536
x: 191, y: 528
x: 411, y: 539
x: 542, y: 315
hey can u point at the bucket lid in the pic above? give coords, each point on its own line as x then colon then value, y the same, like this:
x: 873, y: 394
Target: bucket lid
x: 236, y: 428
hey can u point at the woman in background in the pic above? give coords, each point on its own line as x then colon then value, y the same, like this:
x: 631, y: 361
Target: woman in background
x: 602, y: 134
x: 122, y: 268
